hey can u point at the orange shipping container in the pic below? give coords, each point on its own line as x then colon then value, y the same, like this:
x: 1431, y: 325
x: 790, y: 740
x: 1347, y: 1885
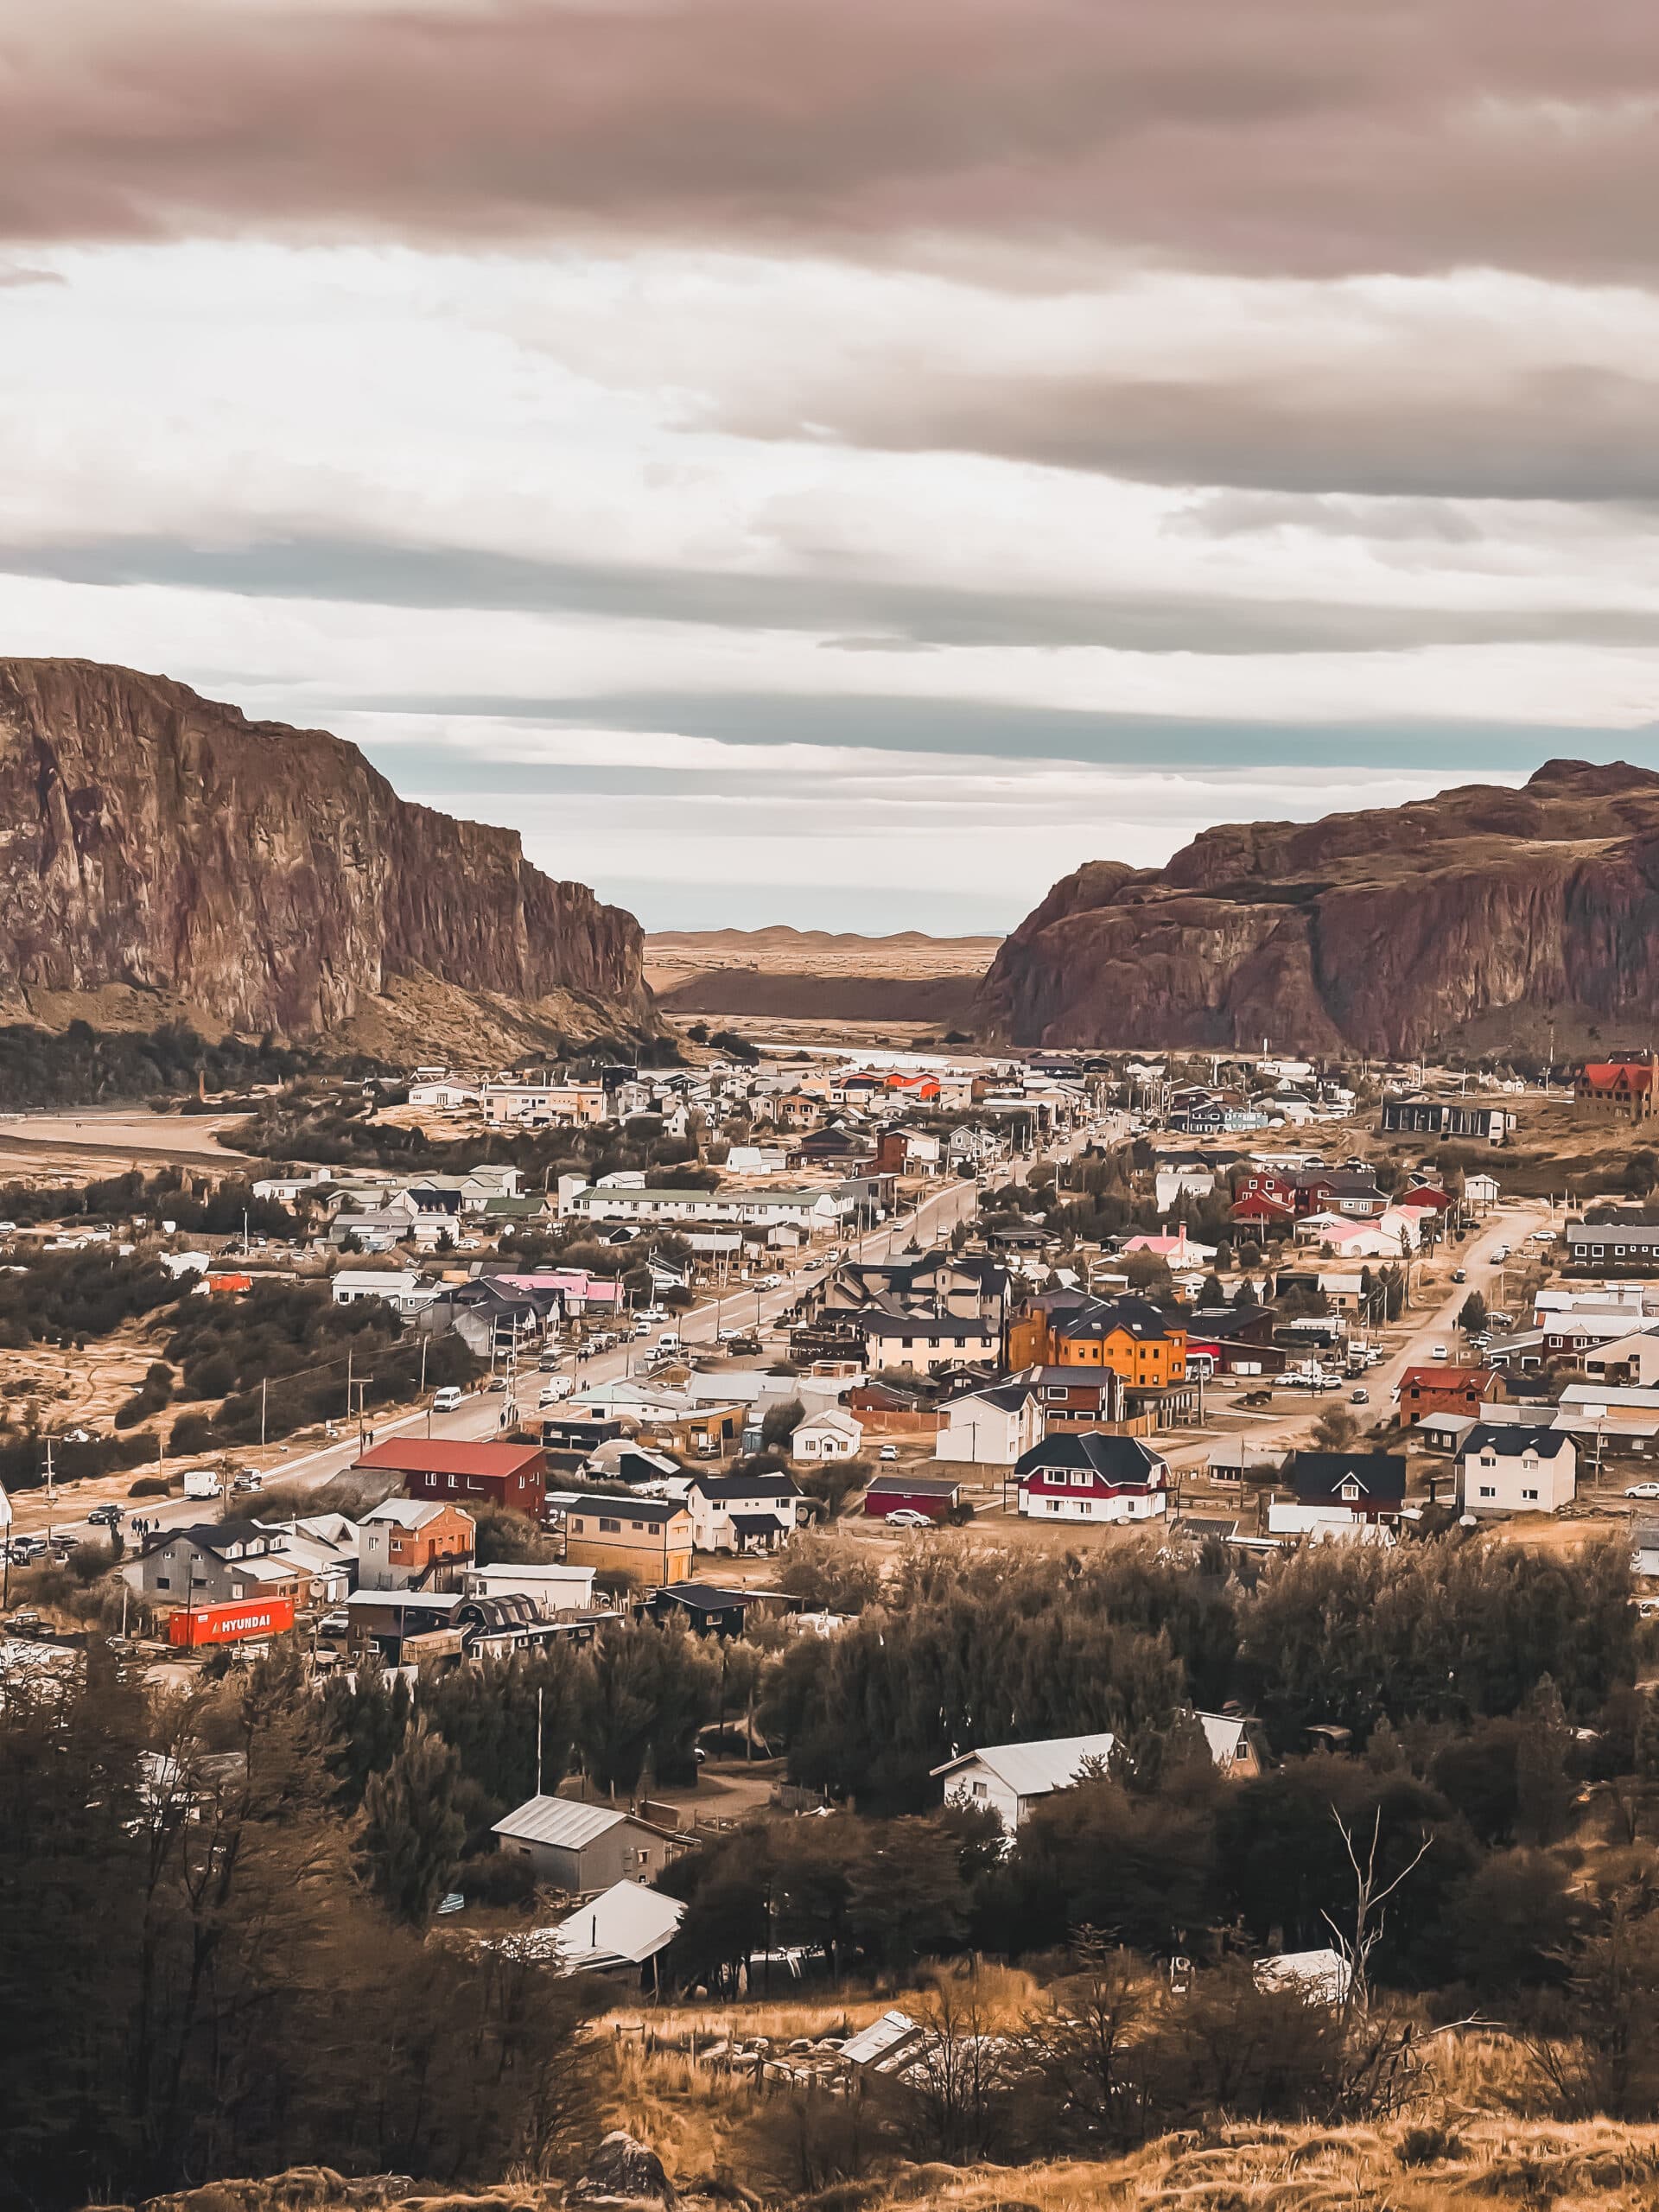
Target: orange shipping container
x: 228, y: 1623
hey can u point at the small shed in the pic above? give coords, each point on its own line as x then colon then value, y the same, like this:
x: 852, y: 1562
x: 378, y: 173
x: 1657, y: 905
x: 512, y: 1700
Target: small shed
x: 891, y: 1494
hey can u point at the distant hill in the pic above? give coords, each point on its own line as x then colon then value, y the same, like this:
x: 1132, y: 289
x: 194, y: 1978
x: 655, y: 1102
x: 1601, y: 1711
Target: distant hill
x: 1484, y: 909
x: 780, y: 973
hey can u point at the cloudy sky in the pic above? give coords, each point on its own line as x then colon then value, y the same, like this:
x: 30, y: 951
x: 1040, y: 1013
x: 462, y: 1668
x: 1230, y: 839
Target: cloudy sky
x: 848, y: 464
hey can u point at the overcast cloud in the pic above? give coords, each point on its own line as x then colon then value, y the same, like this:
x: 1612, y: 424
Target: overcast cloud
x: 896, y: 449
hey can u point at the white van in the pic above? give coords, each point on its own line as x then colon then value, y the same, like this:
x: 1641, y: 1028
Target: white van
x: 669, y: 1341
x: 448, y: 1400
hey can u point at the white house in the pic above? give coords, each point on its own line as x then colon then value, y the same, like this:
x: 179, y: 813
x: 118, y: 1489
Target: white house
x: 1515, y: 1469
x: 742, y: 1513
x: 1087, y: 1475
x: 401, y: 1288
x: 1172, y: 1184
x: 1632, y: 1359
x: 552, y: 1589
x: 1011, y: 1779
x: 990, y: 1428
x: 832, y: 1435
x: 446, y: 1095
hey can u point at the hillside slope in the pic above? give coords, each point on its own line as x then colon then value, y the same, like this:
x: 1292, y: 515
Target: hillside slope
x: 1384, y: 931
x: 162, y: 854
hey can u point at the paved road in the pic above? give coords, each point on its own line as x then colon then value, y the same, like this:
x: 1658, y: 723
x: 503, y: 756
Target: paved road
x: 939, y: 1208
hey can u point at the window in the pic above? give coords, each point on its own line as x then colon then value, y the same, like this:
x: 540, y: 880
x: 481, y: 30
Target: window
x: 1079, y: 1481
x: 981, y: 1790
x: 609, y: 1528
x: 161, y: 1582
x: 1486, y: 1491
x: 1530, y: 1493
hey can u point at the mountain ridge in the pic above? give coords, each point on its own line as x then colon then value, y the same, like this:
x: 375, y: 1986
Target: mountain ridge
x: 1382, y: 930
x: 159, y: 843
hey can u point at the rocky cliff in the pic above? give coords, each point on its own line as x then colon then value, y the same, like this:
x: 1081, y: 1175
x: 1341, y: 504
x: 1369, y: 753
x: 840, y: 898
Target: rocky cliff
x: 1385, y: 931
x: 156, y: 843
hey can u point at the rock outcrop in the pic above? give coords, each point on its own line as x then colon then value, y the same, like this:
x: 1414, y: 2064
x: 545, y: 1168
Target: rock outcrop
x: 1386, y: 931
x: 262, y: 877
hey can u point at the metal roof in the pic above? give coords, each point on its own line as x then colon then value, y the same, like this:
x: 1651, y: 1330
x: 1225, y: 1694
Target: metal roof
x: 561, y: 1822
x: 1033, y: 1769
x: 626, y: 1922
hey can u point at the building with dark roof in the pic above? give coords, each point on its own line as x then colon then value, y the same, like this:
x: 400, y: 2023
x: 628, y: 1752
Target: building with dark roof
x: 649, y: 1538
x: 1089, y: 1476
x: 1510, y: 1467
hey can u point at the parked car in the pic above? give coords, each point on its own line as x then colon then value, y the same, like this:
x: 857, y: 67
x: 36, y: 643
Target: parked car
x: 447, y: 1399
x: 560, y: 1386
x: 1642, y: 1490
x: 1459, y: 1274
x: 1438, y: 1352
x: 771, y: 1282
x: 909, y: 1516
x: 335, y: 1624
x: 249, y: 1479
x: 889, y: 1452
x: 495, y: 1382
x: 25, y: 1550
x: 1359, y: 1397
x: 1500, y: 1253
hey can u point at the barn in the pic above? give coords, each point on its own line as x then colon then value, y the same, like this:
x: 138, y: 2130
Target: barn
x: 891, y: 1494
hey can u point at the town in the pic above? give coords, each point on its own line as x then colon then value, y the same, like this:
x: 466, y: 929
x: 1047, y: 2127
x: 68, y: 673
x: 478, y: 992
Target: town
x: 619, y: 1520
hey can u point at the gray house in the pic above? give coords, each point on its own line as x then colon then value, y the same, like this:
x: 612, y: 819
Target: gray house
x: 583, y: 1848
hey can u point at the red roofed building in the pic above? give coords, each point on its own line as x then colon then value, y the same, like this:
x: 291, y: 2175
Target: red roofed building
x: 1621, y: 1087
x: 1424, y: 1390
x: 449, y: 1470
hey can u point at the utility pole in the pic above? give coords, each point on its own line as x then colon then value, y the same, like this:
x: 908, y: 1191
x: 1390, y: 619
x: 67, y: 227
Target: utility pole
x: 538, y: 1740
x: 51, y: 1481
x: 264, y: 1386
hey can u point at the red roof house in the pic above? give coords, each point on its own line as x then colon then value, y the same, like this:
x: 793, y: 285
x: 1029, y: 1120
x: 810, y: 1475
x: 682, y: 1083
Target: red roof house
x: 450, y: 1469
x: 1424, y: 1390
x: 1617, y: 1087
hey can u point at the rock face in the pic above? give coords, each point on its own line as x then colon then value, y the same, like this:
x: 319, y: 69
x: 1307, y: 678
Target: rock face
x: 1382, y: 931
x: 266, y: 876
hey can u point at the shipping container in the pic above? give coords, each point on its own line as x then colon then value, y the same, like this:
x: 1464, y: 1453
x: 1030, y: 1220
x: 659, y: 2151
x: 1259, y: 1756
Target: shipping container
x: 226, y: 1623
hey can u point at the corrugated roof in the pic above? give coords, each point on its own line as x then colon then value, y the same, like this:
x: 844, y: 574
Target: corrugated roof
x: 451, y: 1455
x: 627, y: 1922
x: 1033, y: 1769
x: 558, y: 1821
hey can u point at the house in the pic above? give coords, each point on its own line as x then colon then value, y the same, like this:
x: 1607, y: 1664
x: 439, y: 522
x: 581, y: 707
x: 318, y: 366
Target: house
x: 891, y: 1494
x: 742, y: 1512
x: 1418, y: 1115
x: 990, y: 1428
x: 1233, y: 1744
x: 649, y: 1538
x: 1620, y: 1089
x: 1512, y: 1468
x: 1128, y: 1335
x: 448, y: 1468
x: 1480, y: 1193
x: 1446, y: 1390
x: 1644, y: 1549
x: 1629, y: 1247
x: 922, y: 1343
x: 1092, y: 1477
x: 1234, y: 1340
x: 1010, y: 1779
x: 1074, y: 1397
x: 582, y: 1847
x: 219, y: 1562
x: 401, y: 1288
x: 445, y: 1094
x: 1626, y: 1361
x: 1339, y: 1490
x: 709, y: 1608
x: 831, y: 1435
x: 553, y: 1590
x: 1178, y: 1252
x: 414, y: 1544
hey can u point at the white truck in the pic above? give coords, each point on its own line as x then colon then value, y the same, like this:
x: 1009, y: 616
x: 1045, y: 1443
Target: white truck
x: 202, y: 1482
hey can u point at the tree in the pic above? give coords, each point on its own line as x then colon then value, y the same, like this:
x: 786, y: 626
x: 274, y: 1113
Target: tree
x: 1336, y: 1429
x: 413, y: 1831
x: 1471, y: 1314
x: 779, y: 1422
